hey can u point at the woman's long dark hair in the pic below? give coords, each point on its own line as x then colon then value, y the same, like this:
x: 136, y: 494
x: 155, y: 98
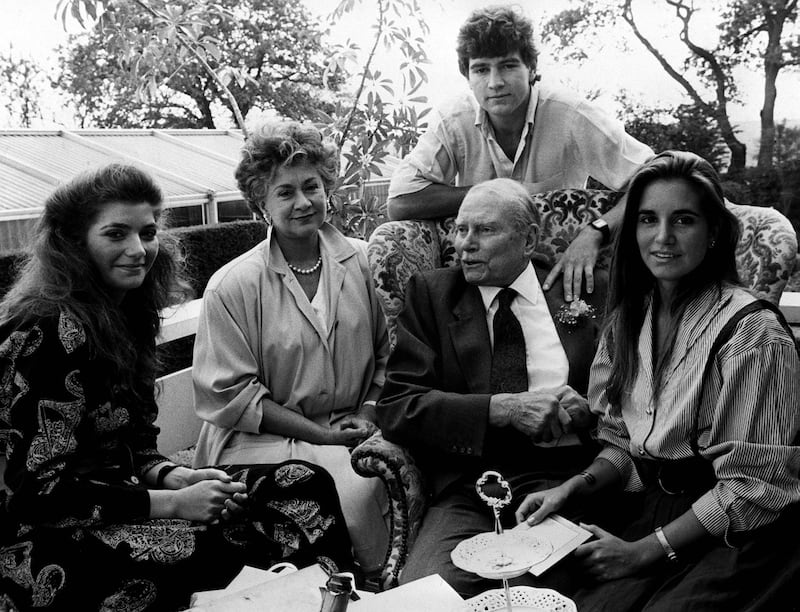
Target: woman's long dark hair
x: 59, y: 276
x: 631, y: 283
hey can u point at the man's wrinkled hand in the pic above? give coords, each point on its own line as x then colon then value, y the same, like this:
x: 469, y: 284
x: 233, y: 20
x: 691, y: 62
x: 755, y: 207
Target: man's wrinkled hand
x: 534, y: 413
x: 576, y: 264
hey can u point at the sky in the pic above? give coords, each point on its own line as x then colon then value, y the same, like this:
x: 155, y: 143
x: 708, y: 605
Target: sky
x: 30, y: 28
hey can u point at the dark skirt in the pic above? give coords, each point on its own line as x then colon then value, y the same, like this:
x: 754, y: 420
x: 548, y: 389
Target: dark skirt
x: 293, y: 515
x: 761, y: 572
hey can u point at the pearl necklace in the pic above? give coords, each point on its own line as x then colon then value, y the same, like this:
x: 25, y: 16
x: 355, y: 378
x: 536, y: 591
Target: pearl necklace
x: 310, y: 270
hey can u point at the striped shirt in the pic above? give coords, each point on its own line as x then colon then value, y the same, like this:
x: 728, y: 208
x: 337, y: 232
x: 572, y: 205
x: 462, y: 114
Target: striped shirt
x: 749, y: 411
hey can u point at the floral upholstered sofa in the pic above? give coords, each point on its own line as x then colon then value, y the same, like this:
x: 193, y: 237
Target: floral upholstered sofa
x: 765, y: 256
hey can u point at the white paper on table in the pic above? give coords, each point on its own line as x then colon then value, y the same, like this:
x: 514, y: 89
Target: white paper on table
x: 428, y: 594
x: 562, y: 534
x: 247, y: 577
x: 251, y: 576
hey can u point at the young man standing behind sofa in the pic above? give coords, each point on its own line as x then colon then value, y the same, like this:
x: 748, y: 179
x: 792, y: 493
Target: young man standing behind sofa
x: 515, y: 127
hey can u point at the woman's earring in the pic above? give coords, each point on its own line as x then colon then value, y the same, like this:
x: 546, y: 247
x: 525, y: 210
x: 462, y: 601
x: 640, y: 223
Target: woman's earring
x: 712, y: 243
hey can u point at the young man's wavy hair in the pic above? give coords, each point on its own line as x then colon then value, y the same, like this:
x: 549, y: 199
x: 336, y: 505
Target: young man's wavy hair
x: 496, y: 31
x: 59, y: 276
x: 632, y: 283
x: 277, y: 144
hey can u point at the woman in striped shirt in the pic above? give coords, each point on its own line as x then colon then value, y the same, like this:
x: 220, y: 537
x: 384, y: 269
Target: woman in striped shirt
x: 699, y: 408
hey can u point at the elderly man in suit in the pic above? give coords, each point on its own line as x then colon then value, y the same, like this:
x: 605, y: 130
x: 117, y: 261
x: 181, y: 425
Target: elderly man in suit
x: 488, y: 372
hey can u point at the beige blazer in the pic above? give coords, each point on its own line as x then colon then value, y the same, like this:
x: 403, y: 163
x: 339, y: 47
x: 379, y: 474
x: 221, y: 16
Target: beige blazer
x: 258, y: 337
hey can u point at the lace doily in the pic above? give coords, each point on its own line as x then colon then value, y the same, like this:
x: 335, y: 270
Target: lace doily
x: 525, y: 599
x: 500, y: 555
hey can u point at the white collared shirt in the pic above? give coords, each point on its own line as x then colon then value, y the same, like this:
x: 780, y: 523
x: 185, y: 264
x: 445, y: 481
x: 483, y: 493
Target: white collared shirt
x: 565, y: 140
x: 546, y: 360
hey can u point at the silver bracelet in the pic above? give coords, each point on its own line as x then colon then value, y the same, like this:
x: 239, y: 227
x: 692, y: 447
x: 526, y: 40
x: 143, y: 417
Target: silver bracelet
x: 662, y: 539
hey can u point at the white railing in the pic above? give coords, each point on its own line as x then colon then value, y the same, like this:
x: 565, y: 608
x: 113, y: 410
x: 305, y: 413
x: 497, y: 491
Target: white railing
x: 177, y: 420
x: 790, y: 306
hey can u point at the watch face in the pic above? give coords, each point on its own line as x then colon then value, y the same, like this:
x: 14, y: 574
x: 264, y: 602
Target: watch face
x: 601, y: 226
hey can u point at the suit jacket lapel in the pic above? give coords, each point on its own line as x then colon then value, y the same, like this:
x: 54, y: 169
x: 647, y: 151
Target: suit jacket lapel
x: 470, y: 338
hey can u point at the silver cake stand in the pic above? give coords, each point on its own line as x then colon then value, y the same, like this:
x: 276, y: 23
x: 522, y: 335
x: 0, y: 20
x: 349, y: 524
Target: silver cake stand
x: 499, y: 555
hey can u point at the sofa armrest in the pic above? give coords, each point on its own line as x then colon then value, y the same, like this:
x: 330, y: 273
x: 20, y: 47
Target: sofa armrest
x: 377, y: 457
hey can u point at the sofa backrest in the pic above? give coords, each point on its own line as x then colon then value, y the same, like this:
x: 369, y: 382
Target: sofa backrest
x: 765, y: 254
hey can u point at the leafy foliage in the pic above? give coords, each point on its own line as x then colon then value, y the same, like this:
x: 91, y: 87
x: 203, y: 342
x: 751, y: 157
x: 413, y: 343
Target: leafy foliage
x: 144, y: 53
x: 129, y: 72
x: 380, y: 119
x: 751, y: 32
x: 384, y: 117
x: 684, y: 128
x: 209, y: 247
x: 787, y: 144
x: 358, y: 209
x: 22, y: 83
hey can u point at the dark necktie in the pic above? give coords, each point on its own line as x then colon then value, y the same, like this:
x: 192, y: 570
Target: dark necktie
x: 509, y: 369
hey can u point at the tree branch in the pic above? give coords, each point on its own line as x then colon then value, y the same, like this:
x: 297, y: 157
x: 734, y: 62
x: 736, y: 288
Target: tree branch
x: 719, y: 112
x: 360, y: 90
x: 627, y: 15
x: 754, y: 30
x: 206, y: 66
x: 685, y: 13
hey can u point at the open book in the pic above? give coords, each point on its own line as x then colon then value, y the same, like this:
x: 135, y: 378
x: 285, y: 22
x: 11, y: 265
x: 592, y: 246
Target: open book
x: 563, y: 535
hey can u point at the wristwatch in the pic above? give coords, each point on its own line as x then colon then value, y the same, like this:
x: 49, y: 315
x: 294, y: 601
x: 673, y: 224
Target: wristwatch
x: 602, y: 227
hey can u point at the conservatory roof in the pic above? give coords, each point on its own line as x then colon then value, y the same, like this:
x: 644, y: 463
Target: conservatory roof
x: 191, y: 166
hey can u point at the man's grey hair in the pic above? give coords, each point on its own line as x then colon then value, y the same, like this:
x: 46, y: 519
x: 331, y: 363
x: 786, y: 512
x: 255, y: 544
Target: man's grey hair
x: 512, y: 197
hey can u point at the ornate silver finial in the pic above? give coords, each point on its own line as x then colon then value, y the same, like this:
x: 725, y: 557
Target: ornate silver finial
x: 495, y: 503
